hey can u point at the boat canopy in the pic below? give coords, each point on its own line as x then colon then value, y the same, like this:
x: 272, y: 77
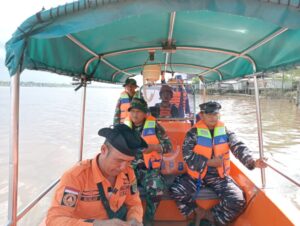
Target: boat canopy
x: 111, y: 40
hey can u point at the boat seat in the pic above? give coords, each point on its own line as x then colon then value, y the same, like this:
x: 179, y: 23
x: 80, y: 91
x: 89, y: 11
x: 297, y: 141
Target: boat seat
x: 173, y: 163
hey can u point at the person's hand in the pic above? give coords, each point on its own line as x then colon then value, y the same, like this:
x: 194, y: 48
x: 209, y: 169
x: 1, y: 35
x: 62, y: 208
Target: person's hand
x: 200, y: 214
x: 153, y: 147
x: 215, y: 162
x: 134, y: 222
x: 111, y: 222
x: 259, y: 163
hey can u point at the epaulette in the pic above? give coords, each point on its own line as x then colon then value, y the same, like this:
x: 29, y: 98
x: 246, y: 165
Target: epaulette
x: 81, y: 167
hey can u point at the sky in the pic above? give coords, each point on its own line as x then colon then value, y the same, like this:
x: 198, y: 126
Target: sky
x: 12, y: 14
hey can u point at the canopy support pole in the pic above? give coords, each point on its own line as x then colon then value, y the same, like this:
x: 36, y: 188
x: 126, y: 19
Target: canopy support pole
x: 96, y: 56
x: 204, y: 94
x: 298, y: 95
x: 170, y: 36
x: 84, y: 82
x: 195, y: 89
x: 14, y: 149
x: 259, y: 130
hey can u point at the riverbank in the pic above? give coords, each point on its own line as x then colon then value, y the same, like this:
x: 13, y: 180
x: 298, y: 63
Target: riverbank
x: 291, y: 95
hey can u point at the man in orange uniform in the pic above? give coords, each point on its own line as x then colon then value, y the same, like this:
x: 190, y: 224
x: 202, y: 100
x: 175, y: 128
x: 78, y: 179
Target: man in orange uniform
x: 123, y: 103
x: 102, y: 191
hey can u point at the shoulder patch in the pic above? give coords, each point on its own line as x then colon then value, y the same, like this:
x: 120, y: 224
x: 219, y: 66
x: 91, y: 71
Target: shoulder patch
x: 70, y: 197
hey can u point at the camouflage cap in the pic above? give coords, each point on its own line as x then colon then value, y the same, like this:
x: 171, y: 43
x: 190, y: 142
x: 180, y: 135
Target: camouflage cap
x: 130, y: 81
x: 140, y: 104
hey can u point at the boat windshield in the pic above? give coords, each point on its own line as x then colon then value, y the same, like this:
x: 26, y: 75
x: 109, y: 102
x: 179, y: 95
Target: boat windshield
x: 170, y: 101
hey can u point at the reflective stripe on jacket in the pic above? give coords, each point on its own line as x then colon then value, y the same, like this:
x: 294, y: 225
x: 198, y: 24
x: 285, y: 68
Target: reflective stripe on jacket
x: 207, y: 146
x: 125, y: 104
x: 153, y: 159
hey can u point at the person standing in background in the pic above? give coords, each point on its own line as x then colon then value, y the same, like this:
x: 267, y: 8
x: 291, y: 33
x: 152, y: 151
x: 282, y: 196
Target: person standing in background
x: 121, y: 111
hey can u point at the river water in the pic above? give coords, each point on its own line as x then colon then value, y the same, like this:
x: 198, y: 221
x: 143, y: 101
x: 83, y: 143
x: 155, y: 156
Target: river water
x: 50, y: 127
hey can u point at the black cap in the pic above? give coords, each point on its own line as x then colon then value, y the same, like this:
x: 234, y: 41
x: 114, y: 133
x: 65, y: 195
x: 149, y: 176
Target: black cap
x: 130, y: 81
x: 211, y: 107
x: 124, y: 139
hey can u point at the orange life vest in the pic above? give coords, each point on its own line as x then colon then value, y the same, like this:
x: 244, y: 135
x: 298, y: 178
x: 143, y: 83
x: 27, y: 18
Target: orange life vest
x: 176, y: 99
x: 153, y: 159
x: 165, y: 112
x: 206, y: 146
x: 125, y: 104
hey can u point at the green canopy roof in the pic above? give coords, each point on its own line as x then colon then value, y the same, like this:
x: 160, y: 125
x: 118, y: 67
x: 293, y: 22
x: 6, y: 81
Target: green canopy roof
x: 110, y: 40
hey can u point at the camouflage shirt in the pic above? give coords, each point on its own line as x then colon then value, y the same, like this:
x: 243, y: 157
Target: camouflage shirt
x: 198, y: 162
x: 163, y: 140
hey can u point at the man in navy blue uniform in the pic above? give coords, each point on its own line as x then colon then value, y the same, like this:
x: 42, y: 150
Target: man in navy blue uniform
x: 206, y: 152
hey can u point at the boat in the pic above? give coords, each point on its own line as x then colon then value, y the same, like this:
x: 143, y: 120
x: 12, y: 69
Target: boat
x: 110, y: 40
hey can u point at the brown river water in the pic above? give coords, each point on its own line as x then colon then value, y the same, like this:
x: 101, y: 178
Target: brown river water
x: 50, y: 126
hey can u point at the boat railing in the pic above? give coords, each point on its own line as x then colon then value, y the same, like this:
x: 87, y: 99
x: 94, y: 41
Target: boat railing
x: 175, y: 119
x: 13, y: 216
x: 27, y: 208
x: 283, y: 175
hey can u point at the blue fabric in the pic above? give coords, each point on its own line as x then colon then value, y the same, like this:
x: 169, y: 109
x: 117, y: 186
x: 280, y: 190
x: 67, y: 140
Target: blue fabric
x: 220, y: 139
x: 148, y: 131
x: 125, y: 100
x: 204, y: 141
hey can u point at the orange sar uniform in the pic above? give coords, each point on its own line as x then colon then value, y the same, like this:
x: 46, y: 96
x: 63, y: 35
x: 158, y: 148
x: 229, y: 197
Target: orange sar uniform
x: 78, y: 200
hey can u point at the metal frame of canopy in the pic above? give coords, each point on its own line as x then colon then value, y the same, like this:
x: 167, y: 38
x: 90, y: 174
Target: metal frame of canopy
x: 169, y: 47
x: 13, y: 215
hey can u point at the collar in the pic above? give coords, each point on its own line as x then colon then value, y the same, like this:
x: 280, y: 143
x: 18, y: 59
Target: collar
x: 97, y: 174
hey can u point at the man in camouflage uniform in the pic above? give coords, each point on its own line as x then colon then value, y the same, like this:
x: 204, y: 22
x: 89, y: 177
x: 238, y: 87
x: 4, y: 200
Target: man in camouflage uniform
x: 206, y: 153
x: 121, y: 111
x: 147, y: 169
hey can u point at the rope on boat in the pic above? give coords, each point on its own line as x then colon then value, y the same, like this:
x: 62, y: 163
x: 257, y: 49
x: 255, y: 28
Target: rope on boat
x: 285, y: 176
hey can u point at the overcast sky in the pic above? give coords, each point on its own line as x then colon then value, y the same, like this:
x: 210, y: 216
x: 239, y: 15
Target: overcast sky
x: 12, y: 14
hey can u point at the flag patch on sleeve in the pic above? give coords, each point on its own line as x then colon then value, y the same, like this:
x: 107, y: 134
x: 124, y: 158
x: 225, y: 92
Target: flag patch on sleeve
x: 70, y: 197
